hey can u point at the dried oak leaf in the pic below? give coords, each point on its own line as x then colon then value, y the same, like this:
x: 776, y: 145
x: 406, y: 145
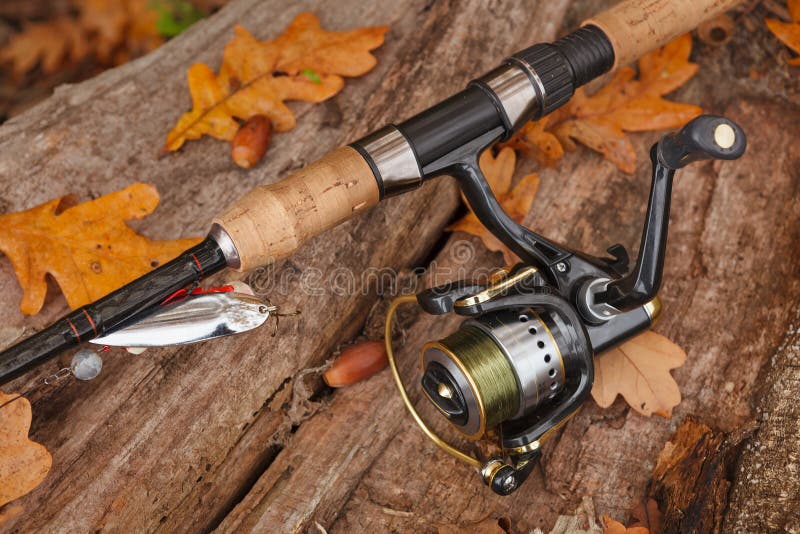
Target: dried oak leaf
x: 625, y: 104
x: 788, y: 32
x: 516, y: 201
x: 23, y: 463
x: 112, y: 31
x: 304, y: 63
x: 50, y: 44
x: 639, y: 371
x: 121, y: 29
x: 87, y: 248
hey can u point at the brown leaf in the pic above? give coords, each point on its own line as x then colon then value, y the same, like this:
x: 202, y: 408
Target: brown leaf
x: 537, y: 143
x: 23, y: 463
x: 88, y: 248
x: 516, y: 201
x: 639, y: 371
x: 256, y: 77
x: 112, y: 31
x: 49, y: 44
x: 788, y: 33
x: 624, y: 104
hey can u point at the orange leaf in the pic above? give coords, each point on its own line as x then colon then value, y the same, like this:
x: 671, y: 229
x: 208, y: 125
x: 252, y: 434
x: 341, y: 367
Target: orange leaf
x: 50, y: 44
x: 23, y: 463
x: 256, y: 77
x: 624, y: 104
x: 603, y: 136
x: 538, y: 143
x: 666, y: 69
x: 788, y: 33
x: 110, y: 30
x: 639, y: 371
x: 650, y: 112
x: 88, y: 248
x: 499, y: 171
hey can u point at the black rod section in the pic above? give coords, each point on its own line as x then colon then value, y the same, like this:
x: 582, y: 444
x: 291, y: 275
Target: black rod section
x: 113, y: 310
x: 555, y: 70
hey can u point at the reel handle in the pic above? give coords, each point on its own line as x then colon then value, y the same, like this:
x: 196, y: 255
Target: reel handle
x: 705, y: 137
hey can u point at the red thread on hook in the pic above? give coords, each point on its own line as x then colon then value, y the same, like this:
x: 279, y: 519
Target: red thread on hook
x: 181, y: 294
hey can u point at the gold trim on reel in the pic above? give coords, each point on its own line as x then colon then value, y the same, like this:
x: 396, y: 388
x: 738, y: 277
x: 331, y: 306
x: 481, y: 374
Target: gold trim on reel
x: 449, y: 449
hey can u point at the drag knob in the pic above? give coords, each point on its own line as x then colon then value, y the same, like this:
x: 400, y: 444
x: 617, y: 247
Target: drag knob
x: 442, y: 389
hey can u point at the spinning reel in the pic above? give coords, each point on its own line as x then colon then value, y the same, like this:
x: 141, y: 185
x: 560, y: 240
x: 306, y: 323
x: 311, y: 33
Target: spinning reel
x: 521, y: 363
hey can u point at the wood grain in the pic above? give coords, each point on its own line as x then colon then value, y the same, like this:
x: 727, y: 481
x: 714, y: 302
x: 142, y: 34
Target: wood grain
x: 765, y: 494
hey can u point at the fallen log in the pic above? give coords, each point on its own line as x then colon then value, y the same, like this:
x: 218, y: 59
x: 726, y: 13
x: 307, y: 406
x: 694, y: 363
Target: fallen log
x: 160, y: 435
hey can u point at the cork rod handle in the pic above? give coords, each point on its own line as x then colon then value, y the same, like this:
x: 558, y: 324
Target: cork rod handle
x: 635, y: 27
x: 272, y: 221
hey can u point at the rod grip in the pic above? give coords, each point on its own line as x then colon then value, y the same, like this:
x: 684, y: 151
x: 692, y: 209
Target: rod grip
x: 272, y: 221
x: 635, y: 27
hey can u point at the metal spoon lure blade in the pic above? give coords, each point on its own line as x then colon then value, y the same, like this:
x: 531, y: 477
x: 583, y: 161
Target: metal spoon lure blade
x: 194, y: 319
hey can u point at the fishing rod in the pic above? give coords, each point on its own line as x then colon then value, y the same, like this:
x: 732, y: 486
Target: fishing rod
x: 521, y: 363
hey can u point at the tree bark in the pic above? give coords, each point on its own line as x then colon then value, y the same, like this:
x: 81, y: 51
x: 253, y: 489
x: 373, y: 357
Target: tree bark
x: 766, y: 490
x: 692, y: 479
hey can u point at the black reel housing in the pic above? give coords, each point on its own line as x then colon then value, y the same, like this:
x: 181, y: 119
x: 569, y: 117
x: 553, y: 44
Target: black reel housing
x: 522, y: 363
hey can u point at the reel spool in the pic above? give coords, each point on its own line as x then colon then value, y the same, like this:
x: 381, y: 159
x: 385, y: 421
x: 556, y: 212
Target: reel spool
x: 494, y: 368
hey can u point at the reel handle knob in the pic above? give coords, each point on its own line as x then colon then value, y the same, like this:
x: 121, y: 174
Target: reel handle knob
x: 705, y: 137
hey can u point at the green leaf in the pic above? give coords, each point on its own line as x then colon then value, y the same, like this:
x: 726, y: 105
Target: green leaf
x: 311, y: 75
x: 175, y: 16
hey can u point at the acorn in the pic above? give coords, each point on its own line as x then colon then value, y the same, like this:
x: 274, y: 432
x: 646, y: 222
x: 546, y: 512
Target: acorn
x: 356, y: 363
x: 251, y: 141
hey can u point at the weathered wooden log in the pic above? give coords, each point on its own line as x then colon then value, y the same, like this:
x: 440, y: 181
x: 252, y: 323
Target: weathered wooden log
x: 219, y: 434
x: 411, y: 485
x: 766, y: 491
x: 692, y: 478
x: 161, y: 435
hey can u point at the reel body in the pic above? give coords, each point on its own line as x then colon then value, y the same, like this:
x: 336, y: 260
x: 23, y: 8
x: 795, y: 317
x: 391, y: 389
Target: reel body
x: 521, y: 363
